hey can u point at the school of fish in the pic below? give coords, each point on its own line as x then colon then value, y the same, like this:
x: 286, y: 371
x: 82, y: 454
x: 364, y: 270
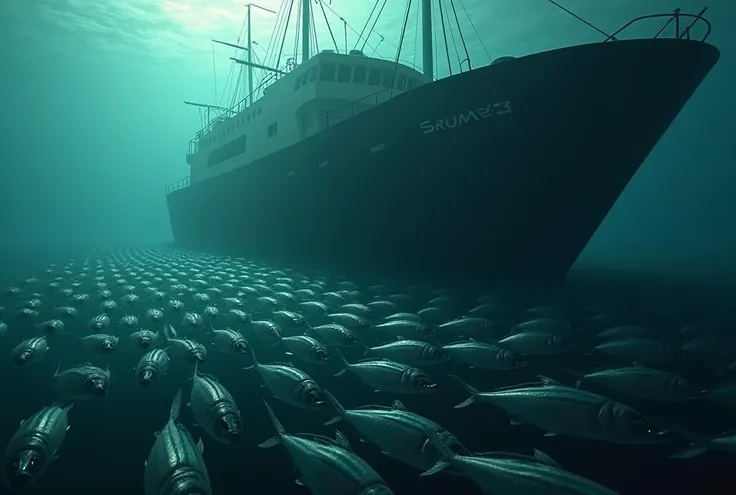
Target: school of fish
x: 181, y: 308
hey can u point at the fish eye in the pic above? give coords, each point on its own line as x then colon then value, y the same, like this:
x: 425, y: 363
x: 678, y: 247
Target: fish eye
x: 424, y: 382
x: 642, y: 426
x: 322, y: 354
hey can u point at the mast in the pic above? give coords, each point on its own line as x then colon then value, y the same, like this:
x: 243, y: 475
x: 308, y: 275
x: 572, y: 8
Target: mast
x: 305, y: 30
x: 427, y: 55
x: 250, y: 62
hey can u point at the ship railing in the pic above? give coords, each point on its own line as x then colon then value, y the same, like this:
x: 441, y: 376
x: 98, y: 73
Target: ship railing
x: 348, y: 110
x: 175, y: 186
x: 678, y: 18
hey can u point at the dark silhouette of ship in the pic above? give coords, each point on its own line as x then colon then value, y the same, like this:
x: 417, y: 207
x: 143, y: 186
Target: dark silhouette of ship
x: 501, y: 171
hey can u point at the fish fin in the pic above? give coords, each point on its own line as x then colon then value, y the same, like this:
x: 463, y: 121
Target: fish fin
x: 689, y: 452
x: 289, y: 353
x: 376, y: 390
x: 400, y: 337
x: 58, y: 367
x: 545, y: 459
x: 425, y: 445
x: 276, y: 423
x: 274, y: 440
x: 175, y: 406
x: 156, y: 433
x: 515, y: 422
x: 22, y: 421
x: 255, y: 362
x: 436, y: 468
x: 145, y: 463
x: 299, y: 482
x: 339, y: 409
x: 549, y: 382
x: 344, y: 362
x: 363, y: 440
x: 200, y: 446
x: 398, y: 405
x: 342, y: 441
x: 550, y: 434
x: 474, y: 392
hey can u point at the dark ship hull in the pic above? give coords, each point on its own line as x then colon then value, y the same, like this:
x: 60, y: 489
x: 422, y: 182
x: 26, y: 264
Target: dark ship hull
x: 443, y: 179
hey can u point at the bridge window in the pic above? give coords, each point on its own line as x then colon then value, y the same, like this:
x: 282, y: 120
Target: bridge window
x: 359, y: 75
x: 344, y: 72
x: 271, y: 131
x: 227, y: 151
x: 401, y: 82
x: 299, y: 82
x: 312, y: 74
x: 388, y: 79
x: 374, y: 77
x: 327, y: 72
x: 258, y: 112
x: 409, y: 83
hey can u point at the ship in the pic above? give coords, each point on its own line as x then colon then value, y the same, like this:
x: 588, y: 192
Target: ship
x: 367, y: 165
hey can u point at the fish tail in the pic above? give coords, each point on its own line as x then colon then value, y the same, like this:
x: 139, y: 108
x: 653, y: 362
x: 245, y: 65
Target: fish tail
x: 339, y: 409
x: 175, y: 406
x: 474, y: 392
x: 280, y: 430
x: 58, y: 368
x: 689, y: 452
x: 446, y: 455
x: 344, y: 362
x: 255, y: 361
x: 196, y: 369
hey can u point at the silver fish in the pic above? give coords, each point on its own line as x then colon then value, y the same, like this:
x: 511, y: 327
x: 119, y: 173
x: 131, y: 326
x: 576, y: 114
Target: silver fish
x: 535, y: 343
x: 175, y: 465
x: 410, y: 352
x: 231, y: 342
x: 306, y: 348
x: 143, y: 339
x: 558, y: 409
x: 389, y: 376
x: 152, y: 366
x: 398, y: 432
x: 99, y: 323
x: 290, y: 384
x: 641, y: 382
x: 184, y: 350
x: 513, y: 474
x: 478, y: 354
x: 407, y: 328
x: 100, y: 342
x: 327, y: 467
x: 34, y: 446
x: 334, y: 335
x: 30, y: 351
x: 82, y: 382
x: 214, y: 409
x: 640, y: 350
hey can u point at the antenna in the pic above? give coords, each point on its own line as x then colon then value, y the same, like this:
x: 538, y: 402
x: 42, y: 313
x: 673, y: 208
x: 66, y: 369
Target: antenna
x: 250, y: 50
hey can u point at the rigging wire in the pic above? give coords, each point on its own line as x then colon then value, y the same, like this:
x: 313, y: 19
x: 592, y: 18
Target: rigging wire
x: 580, y: 19
x: 296, y: 38
x: 375, y: 21
x: 286, y: 30
x: 416, y: 34
x: 444, y: 35
x: 398, y: 51
x: 462, y: 38
x: 452, y: 36
x: 360, y: 36
x: 329, y: 28
x: 475, y: 30
x: 345, y: 23
x: 214, y: 70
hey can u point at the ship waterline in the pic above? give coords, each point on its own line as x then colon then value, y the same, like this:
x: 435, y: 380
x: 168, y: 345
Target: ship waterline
x: 506, y: 170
